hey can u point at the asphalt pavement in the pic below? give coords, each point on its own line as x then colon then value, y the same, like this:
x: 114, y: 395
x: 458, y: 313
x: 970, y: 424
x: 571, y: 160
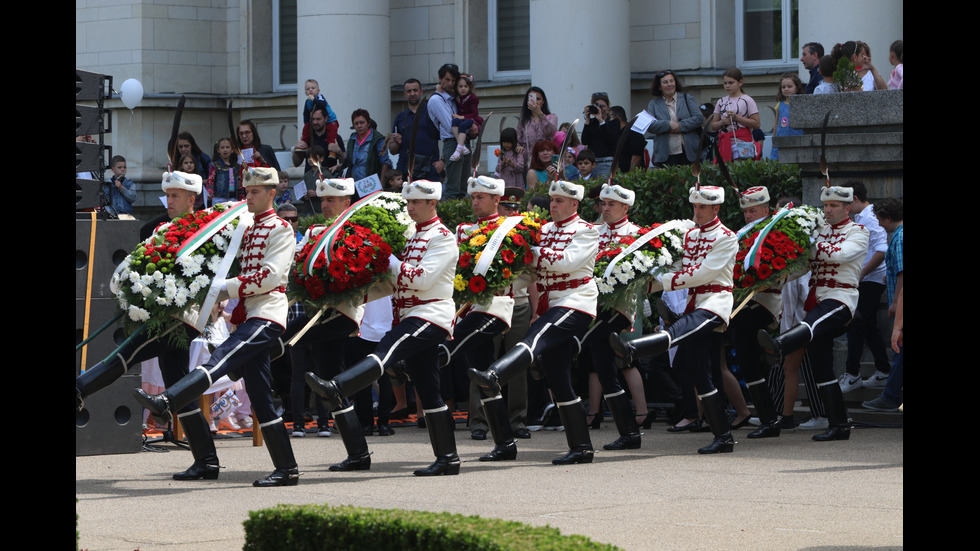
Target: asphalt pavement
x: 780, y: 493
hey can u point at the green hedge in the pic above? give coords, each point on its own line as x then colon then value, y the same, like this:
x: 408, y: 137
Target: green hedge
x: 661, y: 195
x: 314, y: 527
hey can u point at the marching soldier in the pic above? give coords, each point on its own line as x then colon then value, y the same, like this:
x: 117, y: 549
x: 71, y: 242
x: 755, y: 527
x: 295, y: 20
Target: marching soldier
x: 706, y: 272
x: 266, y: 254
x: 564, y: 262
x: 835, y: 271
x: 424, y: 313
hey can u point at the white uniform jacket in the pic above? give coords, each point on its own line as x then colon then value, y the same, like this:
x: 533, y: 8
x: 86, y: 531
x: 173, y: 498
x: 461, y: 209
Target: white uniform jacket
x: 423, y: 280
x: 565, y: 261
x: 266, y: 254
x: 836, y: 261
x: 706, y: 269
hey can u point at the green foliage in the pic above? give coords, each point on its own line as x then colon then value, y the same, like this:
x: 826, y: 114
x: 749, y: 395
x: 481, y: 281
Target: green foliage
x: 305, y: 222
x: 846, y: 78
x: 314, y: 527
x: 453, y: 212
x: 662, y: 195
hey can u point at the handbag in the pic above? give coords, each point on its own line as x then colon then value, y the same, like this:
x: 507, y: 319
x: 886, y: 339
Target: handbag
x: 741, y: 150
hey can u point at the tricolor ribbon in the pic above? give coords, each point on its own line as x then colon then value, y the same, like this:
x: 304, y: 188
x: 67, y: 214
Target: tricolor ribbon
x: 222, y: 272
x: 206, y: 232
x: 752, y: 258
x: 325, y: 242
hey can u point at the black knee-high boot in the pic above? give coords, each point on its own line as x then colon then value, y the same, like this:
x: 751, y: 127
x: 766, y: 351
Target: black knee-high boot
x: 349, y: 381
x: 505, y: 447
x: 440, y: 425
x: 622, y: 413
x: 573, y: 416
x: 792, y: 340
x: 714, y: 412
x: 833, y: 400
x: 765, y: 408
x: 515, y: 361
x: 281, y: 451
x: 171, y: 400
x: 358, y: 457
x: 628, y: 351
x: 95, y: 379
x: 198, y: 435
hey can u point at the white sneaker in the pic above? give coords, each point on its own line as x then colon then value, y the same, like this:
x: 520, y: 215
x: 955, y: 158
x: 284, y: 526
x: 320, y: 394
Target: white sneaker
x: 754, y: 421
x: 324, y: 432
x: 229, y: 423
x: 245, y: 422
x: 877, y: 380
x: 850, y: 382
x: 815, y: 423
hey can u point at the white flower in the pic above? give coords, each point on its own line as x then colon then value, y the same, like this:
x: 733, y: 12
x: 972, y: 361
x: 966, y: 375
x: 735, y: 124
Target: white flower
x: 181, y: 297
x: 146, y: 290
x: 163, y: 301
x: 138, y: 314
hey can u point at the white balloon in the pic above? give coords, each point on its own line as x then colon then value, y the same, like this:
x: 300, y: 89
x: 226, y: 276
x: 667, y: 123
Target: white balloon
x: 131, y: 93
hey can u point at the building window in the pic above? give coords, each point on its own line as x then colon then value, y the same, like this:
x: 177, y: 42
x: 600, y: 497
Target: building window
x: 284, y: 44
x: 767, y: 32
x: 509, y: 38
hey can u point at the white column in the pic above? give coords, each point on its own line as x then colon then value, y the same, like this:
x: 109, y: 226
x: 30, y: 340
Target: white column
x: 345, y: 47
x: 579, y: 47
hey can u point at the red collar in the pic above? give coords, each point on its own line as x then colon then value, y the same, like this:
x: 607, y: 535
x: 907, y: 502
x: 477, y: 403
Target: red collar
x: 262, y: 217
x: 426, y: 225
x: 567, y: 221
x: 841, y: 224
x: 620, y: 224
x: 711, y: 225
x: 490, y: 218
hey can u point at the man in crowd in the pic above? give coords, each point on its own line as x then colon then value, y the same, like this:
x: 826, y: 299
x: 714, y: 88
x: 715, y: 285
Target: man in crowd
x: 864, y: 328
x: 812, y: 52
x: 428, y: 162
x: 441, y: 109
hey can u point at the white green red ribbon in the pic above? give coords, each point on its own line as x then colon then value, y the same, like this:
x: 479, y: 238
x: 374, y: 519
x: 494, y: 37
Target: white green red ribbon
x: 493, y: 244
x: 752, y: 258
x: 222, y: 272
x: 206, y: 232
x: 325, y: 242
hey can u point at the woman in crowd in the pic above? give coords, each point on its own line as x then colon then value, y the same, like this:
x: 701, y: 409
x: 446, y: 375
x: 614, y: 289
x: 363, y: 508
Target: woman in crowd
x: 537, y: 122
x: 677, y: 130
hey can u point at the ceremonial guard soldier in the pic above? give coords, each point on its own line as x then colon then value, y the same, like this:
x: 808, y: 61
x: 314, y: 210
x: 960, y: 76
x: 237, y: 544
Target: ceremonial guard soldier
x: 564, y: 262
x: 474, y: 335
x: 265, y: 255
x: 424, y: 315
x: 182, y: 190
x: 332, y: 329
x: 835, y: 271
x: 706, y: 272
x: 764, y: 310
x: 611, y: 319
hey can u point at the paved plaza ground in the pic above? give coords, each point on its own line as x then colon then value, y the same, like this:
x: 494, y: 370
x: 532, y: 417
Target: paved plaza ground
x: 782, y: 493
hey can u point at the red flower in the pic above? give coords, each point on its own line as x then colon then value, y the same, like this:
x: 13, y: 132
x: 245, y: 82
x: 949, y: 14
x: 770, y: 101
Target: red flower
x: 508, y: 256
x: 477, y: 284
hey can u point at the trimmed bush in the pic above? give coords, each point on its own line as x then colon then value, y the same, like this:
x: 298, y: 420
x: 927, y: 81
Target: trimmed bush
x: 315, y: 527
x: 661, y: 195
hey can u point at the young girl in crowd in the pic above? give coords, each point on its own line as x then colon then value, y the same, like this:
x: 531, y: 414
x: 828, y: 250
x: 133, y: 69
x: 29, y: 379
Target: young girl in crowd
x: 511, y: 165
x: 735, y: 116
x: 222, y: 178
x: 542, y: 165
x: 789, y: 84
x: 895, y: 57
x: 467, y: 114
